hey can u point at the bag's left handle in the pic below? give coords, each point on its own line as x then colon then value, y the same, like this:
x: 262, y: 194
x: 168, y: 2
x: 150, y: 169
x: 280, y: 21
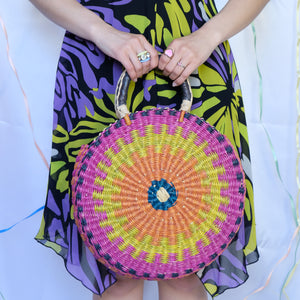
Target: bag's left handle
x: 121, y: 98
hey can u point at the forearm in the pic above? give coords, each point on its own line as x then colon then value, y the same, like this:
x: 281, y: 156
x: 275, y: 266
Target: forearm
x: 235, y: 16
x: 194, y: 49
x: 72, y: 16
x: 121, y: 46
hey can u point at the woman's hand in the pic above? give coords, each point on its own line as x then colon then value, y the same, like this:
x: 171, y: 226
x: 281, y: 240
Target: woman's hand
x: 125, y: 48
x: 186, y: 54
x: 121, y: 46
x: 191, y: 51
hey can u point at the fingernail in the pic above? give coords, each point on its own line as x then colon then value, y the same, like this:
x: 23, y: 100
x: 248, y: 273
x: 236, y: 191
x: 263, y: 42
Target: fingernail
x: 174, y: 84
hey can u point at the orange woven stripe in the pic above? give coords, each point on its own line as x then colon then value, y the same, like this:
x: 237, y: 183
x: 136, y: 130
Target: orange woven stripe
x: 141, y: 214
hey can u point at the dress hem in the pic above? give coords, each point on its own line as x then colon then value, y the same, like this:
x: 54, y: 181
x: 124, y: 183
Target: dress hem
x: 41, y: 241
x: 238, y: 284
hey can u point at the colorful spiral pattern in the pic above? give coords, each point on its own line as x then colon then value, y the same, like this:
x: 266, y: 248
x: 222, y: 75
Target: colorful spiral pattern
x: 160, y: 198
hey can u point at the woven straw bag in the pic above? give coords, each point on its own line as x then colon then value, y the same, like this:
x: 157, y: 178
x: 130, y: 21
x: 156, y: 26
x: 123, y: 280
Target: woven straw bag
x: 159, y: 194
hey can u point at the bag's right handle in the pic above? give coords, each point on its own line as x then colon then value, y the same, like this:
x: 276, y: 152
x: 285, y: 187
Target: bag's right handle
x: 121, y: 97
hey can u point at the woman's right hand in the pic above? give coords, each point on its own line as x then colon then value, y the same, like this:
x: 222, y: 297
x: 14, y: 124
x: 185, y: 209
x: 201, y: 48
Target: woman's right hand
x: 119, y: 45
x: 125, y: 48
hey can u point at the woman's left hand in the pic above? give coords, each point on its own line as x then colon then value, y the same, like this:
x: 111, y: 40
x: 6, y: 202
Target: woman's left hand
x: 186, y: 54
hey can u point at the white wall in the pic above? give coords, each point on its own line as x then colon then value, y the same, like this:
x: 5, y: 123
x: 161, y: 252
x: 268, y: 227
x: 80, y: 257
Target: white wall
x: 32, y: 272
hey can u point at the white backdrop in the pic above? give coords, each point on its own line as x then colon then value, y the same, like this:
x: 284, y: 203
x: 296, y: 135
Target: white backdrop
x: 32, y: 272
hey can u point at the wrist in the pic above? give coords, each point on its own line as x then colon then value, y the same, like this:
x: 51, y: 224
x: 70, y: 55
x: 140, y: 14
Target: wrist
x: 97, y: 29
x: 214, y: 34
x: 209, y: 35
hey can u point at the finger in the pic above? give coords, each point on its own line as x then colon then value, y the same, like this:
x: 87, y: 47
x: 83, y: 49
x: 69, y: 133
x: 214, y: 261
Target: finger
x: 180, y: 67
x: 144, y: 58
x: 165, y: 58
x: 137, y: 49
x: 136, y: 62
x: 170, y: 67
x: 153, y: 55
x: 153, y: 62
x: 129, y: 67
x: 183, y: 76
x: 146, y: 66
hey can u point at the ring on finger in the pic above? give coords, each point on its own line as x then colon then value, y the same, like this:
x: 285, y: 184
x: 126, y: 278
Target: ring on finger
x: 144, y: 56
x: 180, y: 64
x: 169, y: 52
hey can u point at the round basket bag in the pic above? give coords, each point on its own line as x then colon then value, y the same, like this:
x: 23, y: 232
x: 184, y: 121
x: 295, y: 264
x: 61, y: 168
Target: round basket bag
x: 160, y: 193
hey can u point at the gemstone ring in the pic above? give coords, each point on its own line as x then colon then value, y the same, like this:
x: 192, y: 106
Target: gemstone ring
x: 144, y: 56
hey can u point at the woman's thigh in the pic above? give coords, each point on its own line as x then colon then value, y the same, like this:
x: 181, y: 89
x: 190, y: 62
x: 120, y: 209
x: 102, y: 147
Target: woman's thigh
x: 123, y: 289
x: 186, y: 288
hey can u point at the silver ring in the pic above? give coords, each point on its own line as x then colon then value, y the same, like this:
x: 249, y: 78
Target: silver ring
x: 180, y: 64
x: 144, y: 56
